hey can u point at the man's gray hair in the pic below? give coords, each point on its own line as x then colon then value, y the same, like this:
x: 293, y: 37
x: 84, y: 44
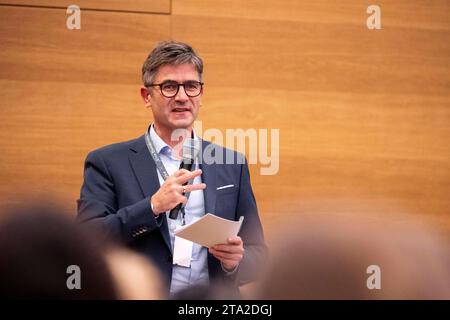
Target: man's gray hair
x: 170, y: 53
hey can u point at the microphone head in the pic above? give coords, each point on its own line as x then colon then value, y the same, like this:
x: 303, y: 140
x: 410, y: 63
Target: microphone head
x: 191, y: 149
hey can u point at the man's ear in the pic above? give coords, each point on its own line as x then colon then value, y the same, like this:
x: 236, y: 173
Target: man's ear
x: 145, y: 95
x: 201, y: 96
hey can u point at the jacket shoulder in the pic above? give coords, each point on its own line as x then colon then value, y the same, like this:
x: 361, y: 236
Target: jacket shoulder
x: 221, y: 155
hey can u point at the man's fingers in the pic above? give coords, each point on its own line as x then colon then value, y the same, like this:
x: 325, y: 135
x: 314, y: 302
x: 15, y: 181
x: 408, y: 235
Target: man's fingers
x: 180, y: 172
x: 236, y: 240
x: 187, y: 175
x: 193, y: 187
x: 225, y: 256
x: 182, y: 199
x: 233, y: 241
x: 228, y: 248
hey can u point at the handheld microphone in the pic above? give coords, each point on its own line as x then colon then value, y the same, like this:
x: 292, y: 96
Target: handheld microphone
x: 191, y: 149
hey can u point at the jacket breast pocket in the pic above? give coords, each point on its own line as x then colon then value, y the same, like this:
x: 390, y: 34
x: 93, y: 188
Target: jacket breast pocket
x: 226, y: 202
x: 225, y: 189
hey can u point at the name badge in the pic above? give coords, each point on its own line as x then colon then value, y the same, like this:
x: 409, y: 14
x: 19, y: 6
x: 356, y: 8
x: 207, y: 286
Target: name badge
x: 182, y: 252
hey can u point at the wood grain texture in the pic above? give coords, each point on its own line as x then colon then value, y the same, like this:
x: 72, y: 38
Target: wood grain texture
x: 149, y: 6
x: 364, y: 115
x: 66, y: 92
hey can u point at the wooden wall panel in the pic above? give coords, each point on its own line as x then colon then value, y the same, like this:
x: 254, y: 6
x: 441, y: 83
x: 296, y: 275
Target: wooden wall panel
x: 150, y: 6
x: 364, y: 115
x: 425, y: 14
x: 65, y: 92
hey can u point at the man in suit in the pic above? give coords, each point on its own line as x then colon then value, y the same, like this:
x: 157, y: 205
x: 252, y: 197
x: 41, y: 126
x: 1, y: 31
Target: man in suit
x: 129, y: 190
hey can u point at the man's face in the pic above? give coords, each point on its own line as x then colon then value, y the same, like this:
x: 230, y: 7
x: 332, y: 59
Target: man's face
x: 181, y: 110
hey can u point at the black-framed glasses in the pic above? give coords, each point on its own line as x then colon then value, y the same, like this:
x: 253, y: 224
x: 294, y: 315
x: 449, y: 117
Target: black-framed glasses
x: 169, y: 89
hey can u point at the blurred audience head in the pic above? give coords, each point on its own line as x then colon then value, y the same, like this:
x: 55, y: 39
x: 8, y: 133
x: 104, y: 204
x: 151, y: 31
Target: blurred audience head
x: 134, y: 276
x: 350, y: 257
x: 44, y: 254
x: 41, y: 250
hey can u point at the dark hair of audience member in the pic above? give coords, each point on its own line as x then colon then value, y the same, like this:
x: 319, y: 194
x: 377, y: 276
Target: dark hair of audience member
x: 37, y: 245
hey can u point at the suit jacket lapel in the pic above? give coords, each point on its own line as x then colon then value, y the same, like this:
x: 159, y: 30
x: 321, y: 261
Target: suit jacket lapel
x: 145, y: 170
x: 209, y: 178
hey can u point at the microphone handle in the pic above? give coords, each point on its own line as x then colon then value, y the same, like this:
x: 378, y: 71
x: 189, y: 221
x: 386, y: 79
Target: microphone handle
x: 174, y: 212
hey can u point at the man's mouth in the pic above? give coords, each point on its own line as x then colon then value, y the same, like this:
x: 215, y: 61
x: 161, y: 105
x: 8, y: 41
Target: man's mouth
x: 181, y: 109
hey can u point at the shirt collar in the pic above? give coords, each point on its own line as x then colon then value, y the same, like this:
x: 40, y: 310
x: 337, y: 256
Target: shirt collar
x: 159, y: 143
x: 156, y: 139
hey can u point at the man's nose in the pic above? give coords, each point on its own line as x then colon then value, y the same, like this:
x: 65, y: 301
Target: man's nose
x: 181, y: 94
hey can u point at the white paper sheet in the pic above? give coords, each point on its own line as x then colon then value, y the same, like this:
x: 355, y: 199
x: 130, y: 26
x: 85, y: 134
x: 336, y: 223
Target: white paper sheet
x: 210, y: 230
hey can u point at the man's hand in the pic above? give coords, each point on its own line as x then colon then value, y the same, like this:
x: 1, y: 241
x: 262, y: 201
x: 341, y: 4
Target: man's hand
x: 230, y: 254
x: 171, y: 193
